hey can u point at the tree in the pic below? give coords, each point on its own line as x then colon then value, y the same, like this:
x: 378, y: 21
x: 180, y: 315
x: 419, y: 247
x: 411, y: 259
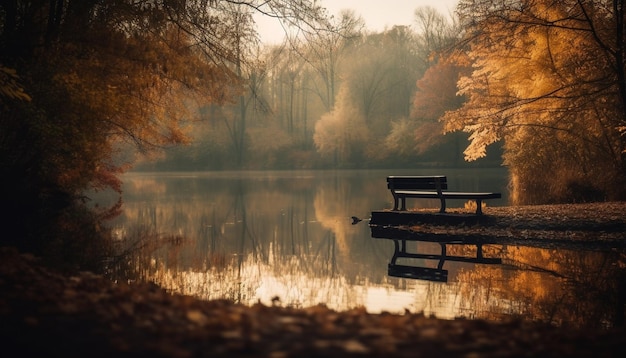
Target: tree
x: 435, y: 33
x: 381, y: 71
x: 325, y: 48
x: 103, y: 72
x: 342, y: 131
x: 242, y: 32
x: 548, y: 80
x: 436, y: 94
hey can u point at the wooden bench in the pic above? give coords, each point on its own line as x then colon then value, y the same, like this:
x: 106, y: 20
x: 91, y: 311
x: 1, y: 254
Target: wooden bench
x: 430, y: 187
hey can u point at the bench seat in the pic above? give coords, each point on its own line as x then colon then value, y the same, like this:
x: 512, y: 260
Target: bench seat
x: 431, y: 187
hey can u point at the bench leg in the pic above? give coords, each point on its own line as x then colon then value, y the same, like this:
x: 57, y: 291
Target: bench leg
x: 403, y: 201
x: 479, y: 207
x: 395, y: 203
x: 443, y: 205
x: 442, y: 258
x: 396, y: 252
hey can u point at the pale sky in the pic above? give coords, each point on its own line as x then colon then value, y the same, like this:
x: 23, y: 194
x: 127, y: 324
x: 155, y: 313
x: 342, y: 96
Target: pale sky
x: 378, y: 14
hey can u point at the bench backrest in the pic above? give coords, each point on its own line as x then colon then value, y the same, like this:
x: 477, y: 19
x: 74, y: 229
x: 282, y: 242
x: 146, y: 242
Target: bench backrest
x: 437, y: 182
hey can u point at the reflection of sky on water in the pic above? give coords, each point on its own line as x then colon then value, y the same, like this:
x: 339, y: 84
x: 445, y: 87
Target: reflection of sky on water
x: 252, y: 237
x: 255, y: 282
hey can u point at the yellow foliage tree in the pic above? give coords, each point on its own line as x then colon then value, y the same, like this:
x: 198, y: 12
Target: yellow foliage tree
x: 342, y: 130
x: 548, y: 79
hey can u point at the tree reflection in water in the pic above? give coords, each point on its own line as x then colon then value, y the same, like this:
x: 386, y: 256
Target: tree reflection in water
x: 287, y: 238
x: 556, y: 286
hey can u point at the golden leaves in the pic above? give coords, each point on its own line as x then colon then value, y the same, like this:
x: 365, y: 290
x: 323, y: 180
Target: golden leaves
x: 10, y: 87
x: 542, y: 81
x: 341, y: 129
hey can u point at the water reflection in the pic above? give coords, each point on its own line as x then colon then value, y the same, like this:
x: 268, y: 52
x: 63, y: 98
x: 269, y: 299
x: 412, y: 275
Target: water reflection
x: 288, y: 238
x: 420, y: 270
x: 577, y: 287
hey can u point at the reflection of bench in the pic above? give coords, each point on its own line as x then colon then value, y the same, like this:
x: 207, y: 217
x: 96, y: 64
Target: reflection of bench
x: 432, y: 274
x: 430, y: 187
x: 418, y: 273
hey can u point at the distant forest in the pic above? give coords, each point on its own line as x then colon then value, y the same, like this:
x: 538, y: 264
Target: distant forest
x: 338, y: 98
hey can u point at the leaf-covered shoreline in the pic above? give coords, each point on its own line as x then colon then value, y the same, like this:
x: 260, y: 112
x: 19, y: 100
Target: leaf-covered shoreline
x: 591, y: 224
x: 48, y: 314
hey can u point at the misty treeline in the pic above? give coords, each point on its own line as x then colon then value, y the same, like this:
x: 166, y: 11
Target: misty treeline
x: 538, y: 86
x: 335, y: 97
x: 87, y: 87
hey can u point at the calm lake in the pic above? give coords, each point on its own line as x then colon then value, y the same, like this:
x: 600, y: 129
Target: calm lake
x: 286, y: 237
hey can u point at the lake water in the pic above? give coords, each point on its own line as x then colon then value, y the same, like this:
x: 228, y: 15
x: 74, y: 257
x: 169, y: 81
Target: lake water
x: 286, y: 237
